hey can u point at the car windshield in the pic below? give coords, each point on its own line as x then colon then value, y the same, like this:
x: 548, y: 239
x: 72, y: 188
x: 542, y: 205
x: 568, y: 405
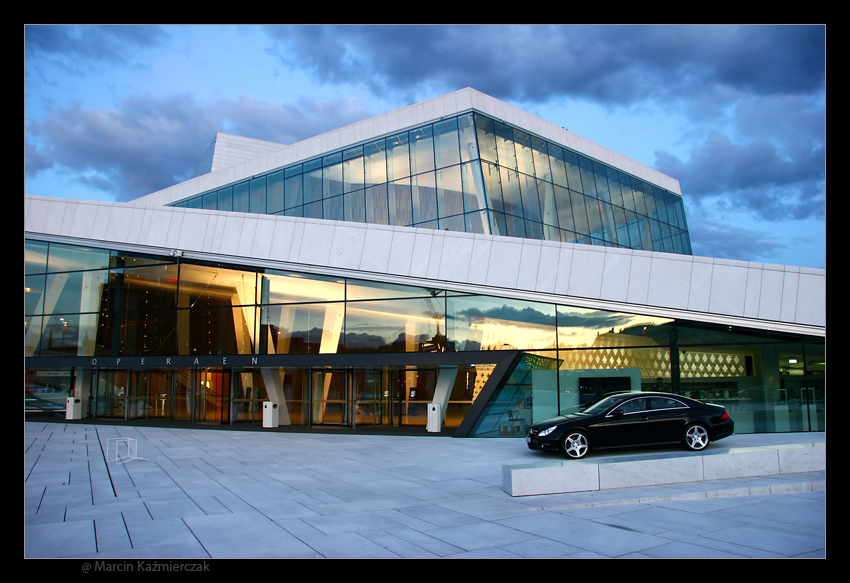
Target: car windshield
x: 603, y: 403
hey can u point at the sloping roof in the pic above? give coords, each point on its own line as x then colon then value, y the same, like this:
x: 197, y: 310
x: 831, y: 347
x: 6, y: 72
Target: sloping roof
x: 402, y: 119
x: 227, y: 150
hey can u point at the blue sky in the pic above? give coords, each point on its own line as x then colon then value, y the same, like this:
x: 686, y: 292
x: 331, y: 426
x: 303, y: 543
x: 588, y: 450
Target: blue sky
x: 736, y: 113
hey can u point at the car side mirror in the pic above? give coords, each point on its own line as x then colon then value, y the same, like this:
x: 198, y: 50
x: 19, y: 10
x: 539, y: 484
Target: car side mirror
x: 617, y: 413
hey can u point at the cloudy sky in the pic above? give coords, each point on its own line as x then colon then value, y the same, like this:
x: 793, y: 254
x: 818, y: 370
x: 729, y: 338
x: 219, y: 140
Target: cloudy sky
x: 737, y: 114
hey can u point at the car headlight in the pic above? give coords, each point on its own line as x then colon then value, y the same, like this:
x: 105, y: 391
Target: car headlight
x: 546, y: 432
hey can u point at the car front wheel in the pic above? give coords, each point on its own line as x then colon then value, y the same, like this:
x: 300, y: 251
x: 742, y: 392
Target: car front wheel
x: 575, y: 445
x: 696, y: 437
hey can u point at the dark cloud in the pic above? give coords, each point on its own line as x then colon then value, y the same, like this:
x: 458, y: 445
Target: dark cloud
x: 584, y: 319
x: 141, y: 147
x: 775, y: 167
x: 114, y: 44
x: 147, y: 144
x: 509, y: 313
x: 592, y: 319
x: 754, y: 175
x: 752, y: 98
x: 617, y: 65
x: 718, y: 239
x: 766, y: 82
x: 284, y: 123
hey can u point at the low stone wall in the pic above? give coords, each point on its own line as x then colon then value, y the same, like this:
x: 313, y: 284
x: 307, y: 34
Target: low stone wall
x: 586, y: 475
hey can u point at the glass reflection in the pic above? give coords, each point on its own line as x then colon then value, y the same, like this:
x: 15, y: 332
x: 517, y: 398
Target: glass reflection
x: 769, y: 381
x: 548, y: 192
x: 395, y: 326
x: 487, y: 323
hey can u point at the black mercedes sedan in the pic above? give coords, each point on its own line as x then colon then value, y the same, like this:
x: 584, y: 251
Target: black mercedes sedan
x: 633, y: 419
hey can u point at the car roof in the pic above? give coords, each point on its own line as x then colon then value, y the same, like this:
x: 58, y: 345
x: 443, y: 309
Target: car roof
x: 649, y: 394
x: 642, y: 394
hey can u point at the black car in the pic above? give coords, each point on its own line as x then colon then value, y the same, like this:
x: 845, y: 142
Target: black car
x: 633, y: 419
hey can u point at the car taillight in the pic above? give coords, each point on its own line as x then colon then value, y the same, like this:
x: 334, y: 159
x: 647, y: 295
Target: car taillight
x: 725, y: 416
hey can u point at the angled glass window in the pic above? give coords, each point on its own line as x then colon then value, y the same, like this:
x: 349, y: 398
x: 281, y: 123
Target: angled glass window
x: 557, y: 166
x: 477, y: 222
x: 638, y: 190
x: 375, y: 162
x: 242, y: 197
x: 332, y: 180
x: 210, y: 201
x: 424, y: 197
x: 449, y: 192
x: 377, y: 210
x: 333, y: 208
x: 421, y: 149
x: 35, y: 257
x: 600, y: 175
x: 72, y: 258
x: 588, y: 182
x: 466, y: 135
x: 358, y: 289
x: 275, y: 199
x: 258, y: 195
x: 565, y: 209
x: 355, y: 206
x: 400, y: 203
x: 493, y: 187
x: 486, y: 134
x: 539, y: 150
x: 283, y: 287
x: 446, y: 143
x: 353, y: 169
x: 573, y: 171
x: 293, y: 191
x: 530, y: 200
x: 548, y: 208
x: 225, y: 199
x: 398, y: 156
x: 505, y: 145
x: 474, y: 197
x: 312, y: 185
x: 511, y: 193
x: 524, y: 155
x: 33, y: 294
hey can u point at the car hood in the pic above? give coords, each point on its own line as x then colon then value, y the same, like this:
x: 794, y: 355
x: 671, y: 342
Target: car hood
x: 559, y: 419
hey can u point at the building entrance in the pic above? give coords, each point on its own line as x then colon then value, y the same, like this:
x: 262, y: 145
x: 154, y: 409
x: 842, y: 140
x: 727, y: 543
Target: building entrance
x: 382, y: 396
x: 201, y: 396
x: 212, y: 396
x: 128, y: 394
x: 331, y: 397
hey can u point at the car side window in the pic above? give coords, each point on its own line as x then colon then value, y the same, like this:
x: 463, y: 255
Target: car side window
x: 633, y: 406
x: 665, y: 403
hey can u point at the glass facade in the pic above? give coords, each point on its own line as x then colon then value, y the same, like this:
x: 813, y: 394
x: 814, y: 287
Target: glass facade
x: 469, y: 173
x: 148, y: 337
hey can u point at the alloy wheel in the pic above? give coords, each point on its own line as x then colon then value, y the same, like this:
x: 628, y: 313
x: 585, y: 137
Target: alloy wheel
x: 575, y: 445
x: 696, y: 437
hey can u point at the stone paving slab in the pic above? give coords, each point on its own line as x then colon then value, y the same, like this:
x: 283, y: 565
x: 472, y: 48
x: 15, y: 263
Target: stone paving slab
x: 200, y: 493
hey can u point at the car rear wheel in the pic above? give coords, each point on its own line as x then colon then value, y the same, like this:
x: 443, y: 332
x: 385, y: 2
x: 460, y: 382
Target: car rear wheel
x: 575, y: 445
x: 696, y: 437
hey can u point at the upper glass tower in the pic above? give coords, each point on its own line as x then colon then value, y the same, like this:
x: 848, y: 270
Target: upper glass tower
x: 469, y: 173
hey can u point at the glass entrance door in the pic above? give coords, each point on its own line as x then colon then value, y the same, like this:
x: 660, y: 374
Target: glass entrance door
x: 137, y: 394
x: 212, y: 397
x: 331, y: 397
x: 111, y: 393
x: 372, y: 397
